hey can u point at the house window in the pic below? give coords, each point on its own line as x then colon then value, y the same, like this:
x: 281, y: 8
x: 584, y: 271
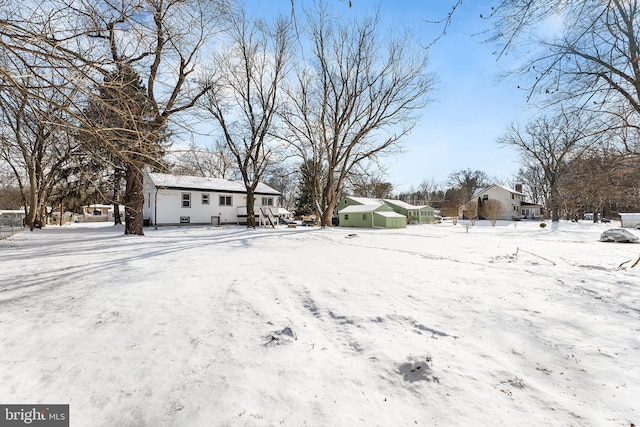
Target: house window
x: 225, y: 201
x: 364, y: 217
x: 186, y: 200
x: 267, y: 201
x: 485, y: 197
x: 346, y: 217
x: 205, y: 198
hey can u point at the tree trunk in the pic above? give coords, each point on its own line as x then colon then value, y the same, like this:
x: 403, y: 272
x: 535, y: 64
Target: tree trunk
x: 116, y: 214
x: 32, y: 212
x: 116, y: 206
x: 330, y: 198
x: 251, y: 218
x: 134, y: 201
x: 555, y: 208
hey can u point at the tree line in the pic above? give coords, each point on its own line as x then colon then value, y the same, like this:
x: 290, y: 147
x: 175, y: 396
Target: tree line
x: 581, y: 70
x: 92, y: 94
x: 95, y: 93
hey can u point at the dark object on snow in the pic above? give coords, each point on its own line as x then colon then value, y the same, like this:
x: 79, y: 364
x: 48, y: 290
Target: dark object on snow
x: 605, y: 220
x: 618, y: 235
x: 543, y: 224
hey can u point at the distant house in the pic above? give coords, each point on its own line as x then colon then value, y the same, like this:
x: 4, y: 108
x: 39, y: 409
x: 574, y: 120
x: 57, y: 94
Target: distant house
x: 422, y: 214
x: 99, y: 212
x: 368, y: 213
x: 182, y: 200
x: 513, y: 203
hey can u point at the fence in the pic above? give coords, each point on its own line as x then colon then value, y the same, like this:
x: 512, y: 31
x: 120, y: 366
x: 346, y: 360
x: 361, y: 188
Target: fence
x: 10, y: 226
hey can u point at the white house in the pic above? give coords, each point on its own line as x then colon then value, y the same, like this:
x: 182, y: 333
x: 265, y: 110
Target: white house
x: 513, y: 202
x: 99, y: 212
x: 179, y: 199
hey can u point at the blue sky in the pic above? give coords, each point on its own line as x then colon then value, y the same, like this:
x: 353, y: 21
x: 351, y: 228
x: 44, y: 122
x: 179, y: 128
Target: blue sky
x: 472, y: 107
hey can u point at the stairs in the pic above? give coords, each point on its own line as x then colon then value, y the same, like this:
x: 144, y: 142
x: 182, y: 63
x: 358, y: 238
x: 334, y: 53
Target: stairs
x: 267, y: 216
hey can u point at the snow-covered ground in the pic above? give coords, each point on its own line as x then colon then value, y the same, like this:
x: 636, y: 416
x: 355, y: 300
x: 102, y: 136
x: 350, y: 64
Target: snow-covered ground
x: 429, y: 325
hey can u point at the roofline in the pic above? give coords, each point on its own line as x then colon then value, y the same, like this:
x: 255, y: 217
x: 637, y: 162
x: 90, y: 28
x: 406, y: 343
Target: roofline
x: 482, y: 190
x: 212, y: 190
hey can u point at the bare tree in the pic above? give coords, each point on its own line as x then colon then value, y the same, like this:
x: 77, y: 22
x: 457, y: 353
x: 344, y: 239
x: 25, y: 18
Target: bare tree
x: 370, y: 186
x: 591, y: 63
x: 453, y: 200
x: 468, y: 181
x: 470, y: 211
x: 282, y: 177
x: 357, y: 94
x: 245, y: 79
x: 33, y: 144
x: 491, y: 209
x: 534, y: 185
x: 216, y: 161
x: 552, y: 143
x: 92, y: 40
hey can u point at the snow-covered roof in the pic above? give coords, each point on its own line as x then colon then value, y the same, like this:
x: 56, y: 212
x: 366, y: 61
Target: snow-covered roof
x: 281, y: 211
x: 360, y: 208
x: 203, y: 183
x: 404, y: 205
x: 366, y: 200
x: 98, y: 205
x: 399, y: 203
x: 481, y: 190
x: 390, y: 214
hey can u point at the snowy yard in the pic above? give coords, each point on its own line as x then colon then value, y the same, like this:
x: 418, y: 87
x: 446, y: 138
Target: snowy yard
x: 429, y: 325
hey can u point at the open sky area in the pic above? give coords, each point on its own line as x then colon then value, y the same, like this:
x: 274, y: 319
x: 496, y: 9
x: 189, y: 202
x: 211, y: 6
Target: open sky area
x: 472, y: 105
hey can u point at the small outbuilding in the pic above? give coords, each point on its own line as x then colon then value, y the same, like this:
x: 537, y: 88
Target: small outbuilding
x: 630, y: 220
x: 371, y: 216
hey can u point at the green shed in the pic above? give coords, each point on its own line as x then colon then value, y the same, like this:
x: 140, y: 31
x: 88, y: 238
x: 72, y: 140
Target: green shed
x: 370, y: 216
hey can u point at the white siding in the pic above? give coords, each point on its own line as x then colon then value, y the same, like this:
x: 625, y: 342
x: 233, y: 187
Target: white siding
x: 164, y: 206
x: 170, y: 207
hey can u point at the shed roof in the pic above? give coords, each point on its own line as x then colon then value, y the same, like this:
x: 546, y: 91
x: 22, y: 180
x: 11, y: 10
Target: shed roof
x: 164, y: 180
x: 389, y: 214
x: 399, y: 203
x: 405, y: 205
x: 359, y: 208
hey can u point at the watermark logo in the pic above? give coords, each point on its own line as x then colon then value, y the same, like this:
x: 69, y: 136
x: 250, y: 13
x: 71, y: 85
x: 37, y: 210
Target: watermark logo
x: 34, y: 415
